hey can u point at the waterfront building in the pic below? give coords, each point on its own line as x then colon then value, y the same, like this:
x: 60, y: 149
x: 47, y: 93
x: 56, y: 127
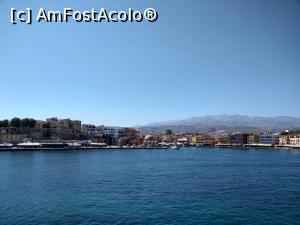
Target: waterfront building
x: 18, y: 135
x: 53, y: 122
x: 253, y: 139
x: 150, y: 141
x: 40, y: 124
x: 269, y: 138
x: 203, y: 139
x: 223, y: 139
x: 195, y: 139
x: 168, y: 138
x: 88, y: 130
x: 64, y: 129
x: 266, y: 138
x: 110, y: 132
x: 290, y: 139
x: 110, y: 135
x: 239, y: 138
x: 128, y: 136
x: 74, y: 125
x: 284, y: 140
x: 5, y: 135
x: 11, y: 135
x: 183, y: 141
x: 295, y: 141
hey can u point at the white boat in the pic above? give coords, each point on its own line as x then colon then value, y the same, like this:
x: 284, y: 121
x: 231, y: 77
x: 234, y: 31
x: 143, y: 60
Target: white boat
x: 100, y: 145
x: 6, y: 145
x: 74, y: 145
x: 29, y: 145
x: 174, y: 147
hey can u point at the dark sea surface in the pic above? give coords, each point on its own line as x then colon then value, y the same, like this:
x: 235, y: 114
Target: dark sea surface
x: 184, y: 186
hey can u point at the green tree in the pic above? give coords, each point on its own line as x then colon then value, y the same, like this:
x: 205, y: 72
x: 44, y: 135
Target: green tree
x: 4, y: 123
x: 16, y: 122
x: 28, y: 123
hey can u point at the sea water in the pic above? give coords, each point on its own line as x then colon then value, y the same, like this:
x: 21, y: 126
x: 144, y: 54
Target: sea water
x: 184, y: 186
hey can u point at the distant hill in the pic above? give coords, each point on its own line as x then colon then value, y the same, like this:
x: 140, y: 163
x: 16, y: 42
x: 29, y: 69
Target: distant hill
x: 212, y: 124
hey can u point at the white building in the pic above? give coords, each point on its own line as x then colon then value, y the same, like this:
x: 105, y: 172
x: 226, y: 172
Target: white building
x: 269, y: 138
x: 110, y: 132
x: 89, y: 130
x: 295, y: 141
x: 290, y: 140
x: 183, y: 141
x: 284, y: 140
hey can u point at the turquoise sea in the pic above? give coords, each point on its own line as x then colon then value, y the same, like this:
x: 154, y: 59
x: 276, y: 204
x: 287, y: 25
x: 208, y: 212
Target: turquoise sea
x: 184, y: 186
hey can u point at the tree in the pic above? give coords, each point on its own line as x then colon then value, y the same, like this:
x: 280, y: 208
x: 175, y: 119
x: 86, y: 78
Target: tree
x: 16, y: 122
x: 28, y: 123
x: 4, y: 123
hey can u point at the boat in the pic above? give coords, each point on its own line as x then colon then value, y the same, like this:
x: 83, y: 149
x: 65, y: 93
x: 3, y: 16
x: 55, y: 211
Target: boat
x: 29, y: 145
x: 174, y: 147
x: 5, y: 145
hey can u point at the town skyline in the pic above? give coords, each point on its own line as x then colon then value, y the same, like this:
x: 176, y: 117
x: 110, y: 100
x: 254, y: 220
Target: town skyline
x: 55, y: 133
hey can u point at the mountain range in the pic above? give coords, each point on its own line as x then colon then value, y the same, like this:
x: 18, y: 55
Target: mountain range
x: 212, y: 124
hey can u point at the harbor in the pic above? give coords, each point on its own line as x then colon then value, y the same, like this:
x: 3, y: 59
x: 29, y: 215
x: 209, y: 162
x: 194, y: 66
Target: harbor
x: 80, y: 147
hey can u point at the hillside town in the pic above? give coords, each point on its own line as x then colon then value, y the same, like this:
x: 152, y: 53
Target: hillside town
x: 66, y: 133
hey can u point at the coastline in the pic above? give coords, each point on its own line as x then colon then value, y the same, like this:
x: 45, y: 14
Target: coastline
x: 17, y: 149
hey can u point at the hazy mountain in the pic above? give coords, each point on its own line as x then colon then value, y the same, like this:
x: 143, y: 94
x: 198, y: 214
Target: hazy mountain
x: 226, y: 122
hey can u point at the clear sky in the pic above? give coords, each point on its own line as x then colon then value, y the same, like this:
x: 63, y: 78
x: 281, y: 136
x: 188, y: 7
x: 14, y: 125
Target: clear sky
x: 200, y: 57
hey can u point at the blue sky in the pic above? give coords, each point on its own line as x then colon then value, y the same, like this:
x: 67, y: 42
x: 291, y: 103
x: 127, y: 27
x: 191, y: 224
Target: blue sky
x: 200, y: 57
